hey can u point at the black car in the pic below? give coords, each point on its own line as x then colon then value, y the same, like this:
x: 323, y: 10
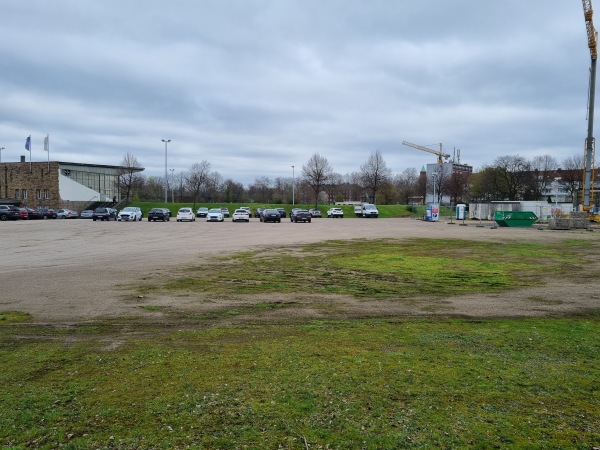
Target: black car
x: 104, y: 214
x: 300, y: 215
x: 161, y: 214
x: 47, y: 213
x: 33, y: 214
x: 9, y: 212
x: 282, y: 212
x: 258, y: 212
x: 270, y: 215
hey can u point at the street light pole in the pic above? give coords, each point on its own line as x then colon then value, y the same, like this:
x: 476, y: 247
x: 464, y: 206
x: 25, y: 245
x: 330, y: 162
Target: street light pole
x: 172, y: 187
x: 293, y: 187
x: 166, y: 179
x: 1, y: 148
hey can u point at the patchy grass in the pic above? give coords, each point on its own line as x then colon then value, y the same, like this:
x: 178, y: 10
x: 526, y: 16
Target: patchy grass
x: 14, y: 317
x: 374, y: 384
x: 362, y: 384
x: 386, y: 269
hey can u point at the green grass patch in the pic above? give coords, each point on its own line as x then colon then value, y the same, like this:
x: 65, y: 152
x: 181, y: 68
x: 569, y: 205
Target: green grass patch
x: 14, y: 317
x: 387, y: 268
x: 363, y: 384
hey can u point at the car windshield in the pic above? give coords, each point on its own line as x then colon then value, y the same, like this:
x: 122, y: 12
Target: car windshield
x: 215, y: 210
x: 155, y: 210
x: 129, y: 208
x: 184, y: 210
x: 100, y: 210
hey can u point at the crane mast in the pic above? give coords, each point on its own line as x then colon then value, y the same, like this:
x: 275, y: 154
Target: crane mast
x: 592, y: 36
x: 440, y: 154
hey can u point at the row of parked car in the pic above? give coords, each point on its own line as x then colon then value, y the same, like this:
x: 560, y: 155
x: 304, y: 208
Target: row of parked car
x: 11, y: 212
x: 133, y: 214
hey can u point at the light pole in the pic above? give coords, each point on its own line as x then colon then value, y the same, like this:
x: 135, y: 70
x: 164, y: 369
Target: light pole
x: 172, y: 187
x: 1, y: 148
x: 556, y: 181
x: 434, y: 177
x: 166, y: 141
x: 293, y: 187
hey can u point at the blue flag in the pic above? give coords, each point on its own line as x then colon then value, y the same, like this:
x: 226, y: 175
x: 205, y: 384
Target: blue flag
x: 28, y: 143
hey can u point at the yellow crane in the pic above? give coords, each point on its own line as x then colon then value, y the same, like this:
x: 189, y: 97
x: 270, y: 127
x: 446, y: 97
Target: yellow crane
x: 440, y: 154
x: 590, y: 148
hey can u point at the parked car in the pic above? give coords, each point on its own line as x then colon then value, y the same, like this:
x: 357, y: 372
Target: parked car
x: 300, y: 215
x: 335, y: 212
x: 202, y: 212
x: 158, y: 214
x: 258, y: 212
x: 66, y: 214
x: 215, y: 215
x: 33, y: 214
x: 315, y: 212
x: 246, y: 208
x: 186, y: 214
x: 130, y: 213
x: 240, y: 215
x: 225, y: 212
x: 282, y: 212
x: 104, y: 214
x: 270, y: 215
x: 86, y: 214
x: 47, y: 213
x: 9, y: 212
x: 23, y: 214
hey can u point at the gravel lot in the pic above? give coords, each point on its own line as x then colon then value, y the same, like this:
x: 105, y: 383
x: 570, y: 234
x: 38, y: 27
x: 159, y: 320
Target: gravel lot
x: 71, y: 271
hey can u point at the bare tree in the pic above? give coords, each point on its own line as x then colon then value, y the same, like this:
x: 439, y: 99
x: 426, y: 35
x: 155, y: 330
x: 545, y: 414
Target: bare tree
x: 406, y: 184
x: 572, y: 175
x: 515, y: 172
x: 197, y: 178
x: 457, y: 187
x: 261, y: 190
x: 128, y: 175
x: 374, y: 172
x: 543, y: 171
x: 332, y: 188
x: 316, y: 172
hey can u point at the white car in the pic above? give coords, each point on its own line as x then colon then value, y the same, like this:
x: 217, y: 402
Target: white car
x: 186, y: 214
x: 215, y: 215
x: 131, y: 213
x: 241, y: 215
x: 335, y: 212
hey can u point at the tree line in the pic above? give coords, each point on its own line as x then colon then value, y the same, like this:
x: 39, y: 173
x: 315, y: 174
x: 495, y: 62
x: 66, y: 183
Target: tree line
x: 507, y: 178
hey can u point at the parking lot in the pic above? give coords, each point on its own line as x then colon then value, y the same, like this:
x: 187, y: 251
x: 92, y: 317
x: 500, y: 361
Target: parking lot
x: 77, y: 270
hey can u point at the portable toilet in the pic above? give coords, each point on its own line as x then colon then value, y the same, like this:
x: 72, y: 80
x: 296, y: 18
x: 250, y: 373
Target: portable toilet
x: 433, y: 213
x: 461, y: 211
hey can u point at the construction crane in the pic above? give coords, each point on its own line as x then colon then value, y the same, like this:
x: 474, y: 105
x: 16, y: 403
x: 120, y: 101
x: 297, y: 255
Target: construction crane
x: 590, y: 147
x: 440, y: 154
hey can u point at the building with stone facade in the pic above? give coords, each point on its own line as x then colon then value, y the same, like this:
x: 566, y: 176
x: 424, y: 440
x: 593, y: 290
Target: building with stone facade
x: 57, y: 184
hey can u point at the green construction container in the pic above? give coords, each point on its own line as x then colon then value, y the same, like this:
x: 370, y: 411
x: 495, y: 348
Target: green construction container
x: 515, y: 218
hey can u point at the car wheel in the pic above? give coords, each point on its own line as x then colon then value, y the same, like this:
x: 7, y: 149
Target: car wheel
x: 3, y: 217
x: 308, y: 220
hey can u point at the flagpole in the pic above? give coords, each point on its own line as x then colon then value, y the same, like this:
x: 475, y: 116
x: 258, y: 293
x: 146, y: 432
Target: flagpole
x: 47, y: 148
x: 30, y: 166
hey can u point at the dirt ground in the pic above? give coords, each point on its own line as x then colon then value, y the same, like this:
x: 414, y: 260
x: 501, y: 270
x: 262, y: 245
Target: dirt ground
x: 75, y: 271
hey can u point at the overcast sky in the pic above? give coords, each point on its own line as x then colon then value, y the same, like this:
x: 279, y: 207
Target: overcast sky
x: 256, y: 86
